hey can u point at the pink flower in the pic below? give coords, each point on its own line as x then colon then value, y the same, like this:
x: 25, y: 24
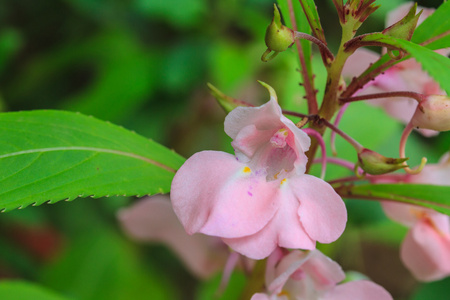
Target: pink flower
x: 260, y: 198
x: 313, y: 276
x: 404, y: 76
x: 152, y: 220
x: 426, y: 248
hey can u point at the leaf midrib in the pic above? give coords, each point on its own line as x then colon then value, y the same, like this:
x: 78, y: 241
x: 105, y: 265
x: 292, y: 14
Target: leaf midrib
x: 93, y: 149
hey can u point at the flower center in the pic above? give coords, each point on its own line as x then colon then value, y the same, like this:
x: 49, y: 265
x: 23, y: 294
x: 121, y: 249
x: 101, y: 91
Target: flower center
x: 280, y: 157
x: 278, y: 140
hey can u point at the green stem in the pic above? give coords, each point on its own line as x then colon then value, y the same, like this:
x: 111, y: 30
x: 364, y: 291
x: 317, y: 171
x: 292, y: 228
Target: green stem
x: 330, y: 102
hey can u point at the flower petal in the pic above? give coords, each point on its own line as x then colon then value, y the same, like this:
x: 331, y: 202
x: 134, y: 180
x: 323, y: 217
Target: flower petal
x: 215, y: 194
x: 264, y: 117
x: 322, y: 212
x: 249, y: 140
x: 152, y: 220
x: 284, y: 230
x: 360, y: 289
x: 426, y: 252
x: 325, y: 272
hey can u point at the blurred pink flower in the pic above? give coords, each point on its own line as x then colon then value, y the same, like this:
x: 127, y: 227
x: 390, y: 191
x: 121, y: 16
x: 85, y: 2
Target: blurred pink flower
x: 426, y: 248
x: 260, y: 198
x: 313, y: 276
x: 152, y: 220
x: 404, y: 76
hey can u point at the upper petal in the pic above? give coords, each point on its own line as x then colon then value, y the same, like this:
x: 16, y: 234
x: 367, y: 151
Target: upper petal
x: 264, y: 117
x: 360, y: 289
x: 322, y: 211
x: 215, y: 194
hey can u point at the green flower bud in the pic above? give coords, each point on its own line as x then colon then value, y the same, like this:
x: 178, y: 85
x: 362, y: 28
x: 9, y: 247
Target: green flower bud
x: 278, y: 37
x: 376, y: 164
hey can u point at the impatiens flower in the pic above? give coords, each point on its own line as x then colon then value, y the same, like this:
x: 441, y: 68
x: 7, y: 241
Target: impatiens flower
x: 152, y: 220
x: 426, y: 248
x: 313, y: 276
x: 407, y: 75
x: 260, y: 198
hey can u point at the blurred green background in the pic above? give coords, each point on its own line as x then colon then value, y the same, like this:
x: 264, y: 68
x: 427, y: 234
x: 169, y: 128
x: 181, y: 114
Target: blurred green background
x: 144, y: 64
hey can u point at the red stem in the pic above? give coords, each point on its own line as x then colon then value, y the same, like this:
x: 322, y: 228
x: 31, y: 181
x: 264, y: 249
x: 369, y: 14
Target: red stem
x: 416, y: 96
x: 307, y: 82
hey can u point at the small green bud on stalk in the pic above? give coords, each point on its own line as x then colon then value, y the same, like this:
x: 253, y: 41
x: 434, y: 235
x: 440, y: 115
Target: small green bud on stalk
x: 376, y: 164
x: 278, y: 37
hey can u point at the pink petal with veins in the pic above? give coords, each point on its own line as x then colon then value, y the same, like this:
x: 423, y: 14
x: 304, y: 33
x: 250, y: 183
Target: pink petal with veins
x: 426, y: 252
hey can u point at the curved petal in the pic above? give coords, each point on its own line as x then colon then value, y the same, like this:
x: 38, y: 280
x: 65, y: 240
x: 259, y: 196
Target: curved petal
x: 264, y: 117
x: 401, y: 212
x: 249, y: 140
x: 152, y: 220
x: 325, y: 272
x: 322, y: 212
x: 284, y: 230
x: 426, y: 253
x: 360, y: 289
x: 215, y: 194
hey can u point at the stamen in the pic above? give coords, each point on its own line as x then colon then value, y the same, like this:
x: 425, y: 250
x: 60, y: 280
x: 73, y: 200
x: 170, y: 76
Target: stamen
x: 278, y: 140
x: 247, y: 170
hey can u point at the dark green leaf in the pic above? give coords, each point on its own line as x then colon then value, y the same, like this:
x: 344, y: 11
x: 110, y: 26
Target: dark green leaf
x: 22, y: 290
x: 100, y: 265
x: 56, y: 155
x: 431, y: 196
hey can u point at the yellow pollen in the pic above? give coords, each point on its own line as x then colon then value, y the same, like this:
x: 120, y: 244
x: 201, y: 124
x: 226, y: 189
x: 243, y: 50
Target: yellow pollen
x: 247, y: 170
x: 283, y: 131
x: 283, y: 181
x: 284, y: 293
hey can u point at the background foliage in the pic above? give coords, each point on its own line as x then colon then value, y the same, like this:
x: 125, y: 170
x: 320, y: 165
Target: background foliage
x: 144, y: 64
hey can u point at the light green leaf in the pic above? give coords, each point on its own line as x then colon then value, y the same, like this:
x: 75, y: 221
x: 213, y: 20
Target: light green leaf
x: 22, y: 290
x: 432, y: 196
x: 435, y: 25
x: 54, y: 155
x: 310, y: 9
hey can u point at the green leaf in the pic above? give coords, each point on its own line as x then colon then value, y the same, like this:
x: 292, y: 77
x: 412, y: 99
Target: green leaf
x: 54, y: 155
x: 433, y: 26
x: 431, y: 196
x: 22, y: 290
x: 436, y: 65
x: 310, y: 9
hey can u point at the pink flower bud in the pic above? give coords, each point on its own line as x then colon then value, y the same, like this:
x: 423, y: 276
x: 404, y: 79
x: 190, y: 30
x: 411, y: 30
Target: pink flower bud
x: 433, y: 113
